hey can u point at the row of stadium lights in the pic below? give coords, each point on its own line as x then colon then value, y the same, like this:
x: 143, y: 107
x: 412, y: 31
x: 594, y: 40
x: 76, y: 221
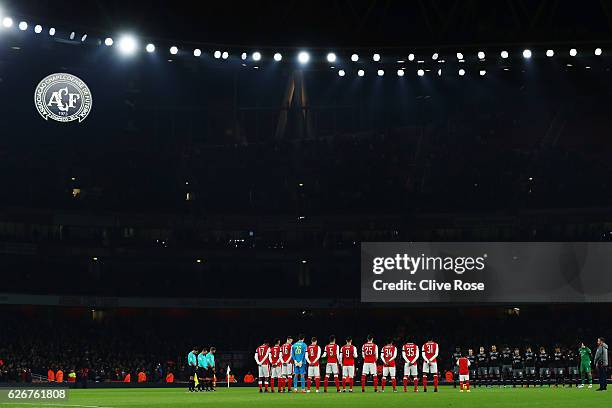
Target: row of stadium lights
x: 129, y: 45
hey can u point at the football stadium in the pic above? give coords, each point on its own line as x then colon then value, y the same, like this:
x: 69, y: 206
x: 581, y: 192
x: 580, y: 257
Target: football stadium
x: 305, y: 203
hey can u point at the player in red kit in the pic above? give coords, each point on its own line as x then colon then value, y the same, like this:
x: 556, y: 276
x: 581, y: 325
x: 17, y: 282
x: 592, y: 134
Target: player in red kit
x: 348, y: 354
x: 369, y: 351
x: 430, y: 364
x: 313, y: 355
x: 262, y: 358
x: 332, y: 352
x: 275, y: 365
x: 286, y: 366
x: 388, y: 356
x: 464, y: 374
x: 410, y: 353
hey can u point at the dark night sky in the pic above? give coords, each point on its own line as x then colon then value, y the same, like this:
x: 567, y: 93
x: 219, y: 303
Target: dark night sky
x: 332, y: 22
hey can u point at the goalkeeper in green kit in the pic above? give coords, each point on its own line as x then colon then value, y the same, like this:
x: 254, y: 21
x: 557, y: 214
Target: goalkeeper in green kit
x: 585, y: 365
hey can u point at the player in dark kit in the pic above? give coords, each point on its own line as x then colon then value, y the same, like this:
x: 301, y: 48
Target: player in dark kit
x: 558, y: 365
x: 530, y: 367
x: 506, y: 360
x: 518, y: 368
x: 472, y: 359
x: 573, y: 363
x: 456, y: 356
x: 494, y: 366
x: 482, y: 361
x: 543, y: 369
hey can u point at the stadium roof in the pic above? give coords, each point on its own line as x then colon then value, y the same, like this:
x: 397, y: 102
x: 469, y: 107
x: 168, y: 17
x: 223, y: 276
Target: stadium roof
x: 333, y: 23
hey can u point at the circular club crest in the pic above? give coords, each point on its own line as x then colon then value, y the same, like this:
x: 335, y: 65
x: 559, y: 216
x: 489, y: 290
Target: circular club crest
x: 63, y: 98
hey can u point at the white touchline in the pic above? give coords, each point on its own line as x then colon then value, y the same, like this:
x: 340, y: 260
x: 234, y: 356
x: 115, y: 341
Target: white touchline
x: 52, y: 405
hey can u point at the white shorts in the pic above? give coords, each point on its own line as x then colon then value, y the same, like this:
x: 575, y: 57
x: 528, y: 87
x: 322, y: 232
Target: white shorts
x: 410, y: 370
x: 369, y: 368
x: 389, y: 371
x: 314, y: 371
x: 287, y: 370
x: 464, y: 377
x: 276, y: 371
x: 430, y: 368
x: 332, y: 368
x: 348, y: 371
x: 264, y: 371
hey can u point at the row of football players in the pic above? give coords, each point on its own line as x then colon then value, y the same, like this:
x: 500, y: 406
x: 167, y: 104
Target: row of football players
x: 291, y: 362
x: 511, y: 367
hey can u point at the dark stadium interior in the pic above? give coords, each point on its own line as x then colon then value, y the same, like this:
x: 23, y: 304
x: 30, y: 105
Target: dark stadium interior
x: 178, y: 200
x: 42, y: 337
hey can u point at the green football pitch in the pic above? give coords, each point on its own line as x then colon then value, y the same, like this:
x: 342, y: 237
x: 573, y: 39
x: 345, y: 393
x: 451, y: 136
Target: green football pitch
x: 249, y: 397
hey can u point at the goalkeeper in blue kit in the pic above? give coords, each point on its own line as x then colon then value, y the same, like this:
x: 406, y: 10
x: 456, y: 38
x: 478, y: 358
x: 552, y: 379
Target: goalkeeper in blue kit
x: 298, y: 355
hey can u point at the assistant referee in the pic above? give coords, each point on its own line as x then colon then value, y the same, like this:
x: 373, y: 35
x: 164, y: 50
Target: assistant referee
x: 192, y: 363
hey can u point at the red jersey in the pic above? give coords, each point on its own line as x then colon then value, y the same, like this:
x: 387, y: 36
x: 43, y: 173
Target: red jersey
x: 410, y: 353
x: 388, y: 355
x: 275, y: 354
x: 262, y: 354
x: 369, y: 352
x: 349, y: 354
x: 463, y: 364
x: 430, y: 351
x: 331, y: 352
x: 286, y: 353
x: 313, y: 355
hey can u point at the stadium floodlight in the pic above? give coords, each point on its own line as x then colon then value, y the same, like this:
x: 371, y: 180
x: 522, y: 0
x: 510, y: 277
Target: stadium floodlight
x: 361, y: 73
x: 174, y: 50
x: 410, y: 57
x: 23, y: 25
x: 400, y: 72
x: 150, y: 48
x: 376, y: 57
x: 354, y: 57
x: 504, y: 54
x: 459, y: 56
x: 481, y: 55
x: 72, y: 35
x: 331, y: 57
x: 461, y: 72
x: 243, y: 56
x: 127, y: 44
x: 482, y: 72
x: 108, y: 41
x: 217, y: 54
x: 83, y: 37
x: 256, y: 56
x: 341, y: 73
x: 573, y: 52
x: 550, y: 53
x: 38, y: 29
x: 278, y: 57
x: 598, y: 51
x: 303, y: 57
x: 7, y: 22
x: 440, y: 72
x: 527, y: 53
x: 420, y: 72
x: 52, y: 31
x: 381, y: 72
x: 434, y: 56
x: 197, y: 52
